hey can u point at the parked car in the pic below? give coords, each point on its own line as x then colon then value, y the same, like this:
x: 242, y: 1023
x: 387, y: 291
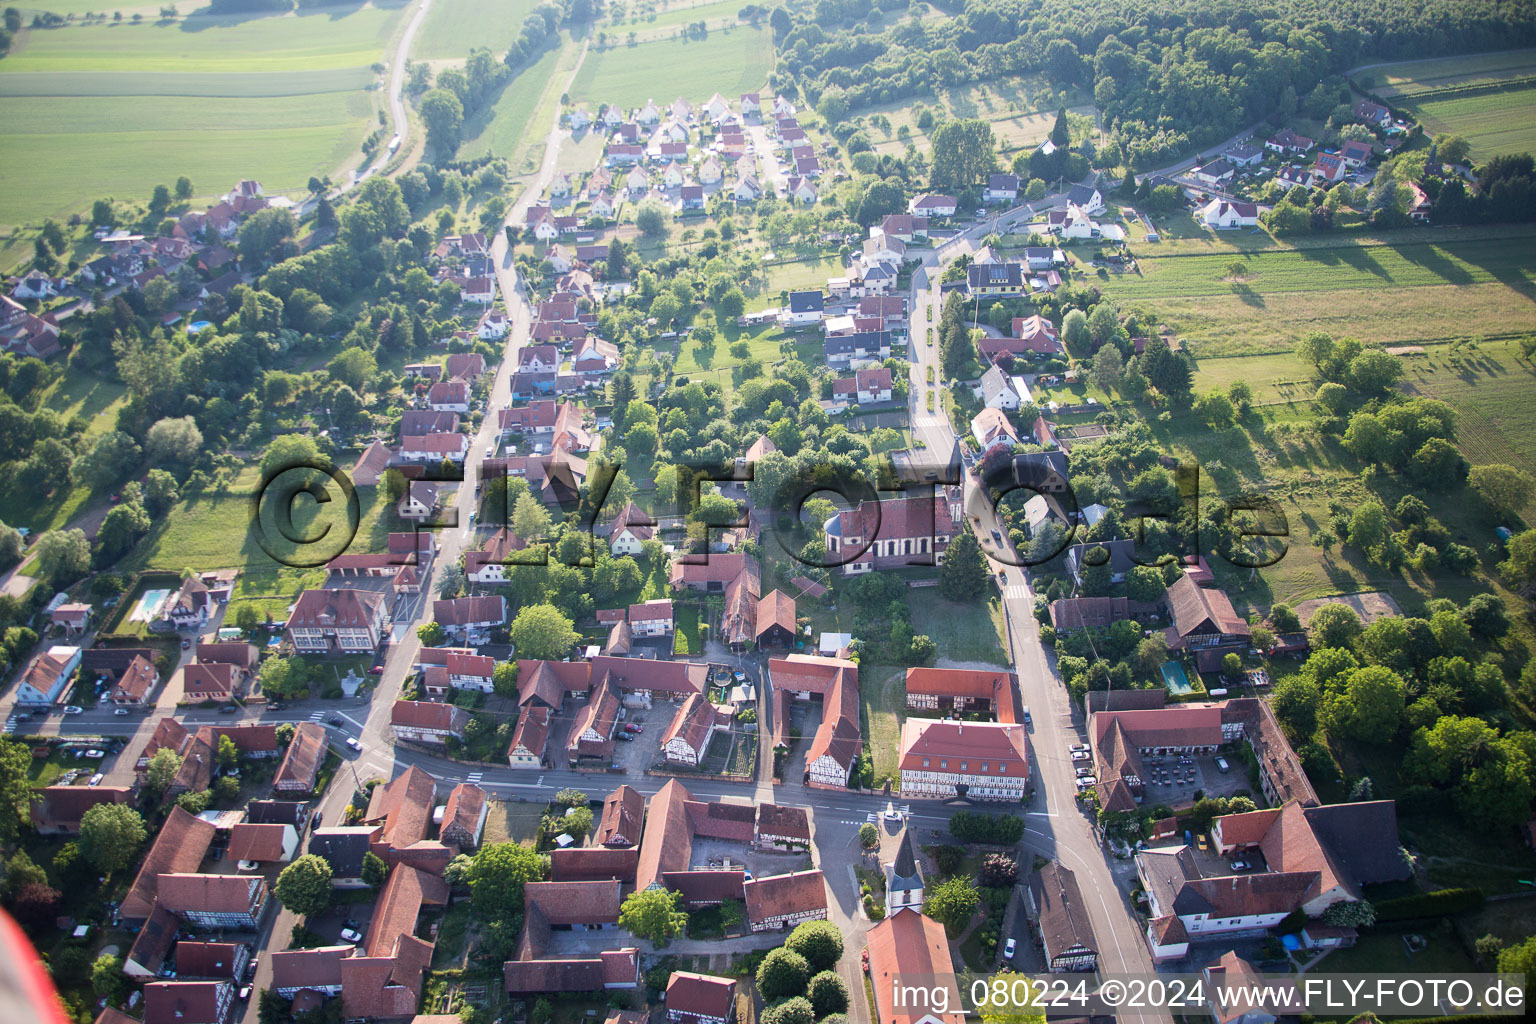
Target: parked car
x: 186, y: 644
x: 120, y: 711
x: 1027, y: 719
x: 230, y: 709
x: 349, y: 935
x: 998, y: 537
x: 245, y: 993
x: 70, y: 709
x: 1084, y: 770
x: 1080, y: 755
x: 377, y: 670
x: 1008, y: 948
x: 1086, y: 781
x: 315, y: 821
x: 1242, y: 865
x: 94, y: 752
x: 276, y: 705
x: 96, y: 779
x: 352, y: 742
x: 1078, y: 747
x: 634, y: 727
x: 1222, y: 766
x: 250, y: 967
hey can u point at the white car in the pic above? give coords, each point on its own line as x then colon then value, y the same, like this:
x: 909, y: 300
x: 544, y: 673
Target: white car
x: 95, y: 753
x: 352, y: 742
x: 1080, y: 755
x: 96, y: 779
x: 349, y: 935
x: 72, y: 710
x: 1076, y: 747
x: 1008, y: 948
x: 1086, y: 781
x: 120, y: 711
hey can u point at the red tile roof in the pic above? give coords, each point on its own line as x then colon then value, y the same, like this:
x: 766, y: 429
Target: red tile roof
x: 997, y: 746
x: 800, y: 892
x: 911, y: 944
x: 623, y: 812
x: 301, y: 761
x: 178, y: 847
x: 594, y: 863
x: 249, y: 841
x: 701, y: 995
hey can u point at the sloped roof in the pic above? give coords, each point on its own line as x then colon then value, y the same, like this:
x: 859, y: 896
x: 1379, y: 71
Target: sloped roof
x: 668, y: 841
x: 701, y: 995
x: 1063, y: 920
x: 250, y: 841
x: 301, y: 761
x: 799, y: 892
x: 907, y: 943
x: 623, y: 812
x: 178, y: 847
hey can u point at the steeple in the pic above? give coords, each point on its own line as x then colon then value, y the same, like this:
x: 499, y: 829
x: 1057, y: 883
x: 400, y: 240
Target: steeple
x: 904, y: 878
x: 905, y: 865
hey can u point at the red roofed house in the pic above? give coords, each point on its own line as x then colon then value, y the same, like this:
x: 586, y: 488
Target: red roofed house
x: 464, y: 816
x: 136, y: 683
x: 775, y: 620
x: 783, y: 901
x: 890, y: 534
x: 61, y: 807
x: 630, y: 529
x: 214, y: 901
x: 623, y: 812
x: 349, y: 621
x: 530, y: 738
x: 700, y: 999
x: 688, y: 736
x: 959, y: 689
x: 301, y: 762
x: 943, y: 760
x: 651, y: 618
x: 907, y: 943
x: 838, y: 742
x: 188, y: 1002
x: 419, y: 721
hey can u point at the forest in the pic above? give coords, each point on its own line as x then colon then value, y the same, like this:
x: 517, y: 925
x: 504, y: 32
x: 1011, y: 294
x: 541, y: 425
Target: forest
x: 1167, y: 79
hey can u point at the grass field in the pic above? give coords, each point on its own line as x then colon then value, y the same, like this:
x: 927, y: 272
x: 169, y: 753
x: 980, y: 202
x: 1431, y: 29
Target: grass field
x: 1498, y: 117
x: 883, y: 696
x: 454, y: 27
x: 340, y: 37
x: 1408, y: 291
x: 729, y: 62
x: 507, y: 123
x: 218, y: 99
x: 1021, y: 110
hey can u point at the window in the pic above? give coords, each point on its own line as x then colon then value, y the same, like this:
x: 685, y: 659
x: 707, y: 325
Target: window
x: 944, y: 764
x: 1002, y: 766
x: 962, y: 766
x: 925, y: 762
x: 983, y: 766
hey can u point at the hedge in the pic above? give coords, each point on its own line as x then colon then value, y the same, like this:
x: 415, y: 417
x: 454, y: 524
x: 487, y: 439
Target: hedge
x: 1442, y: 903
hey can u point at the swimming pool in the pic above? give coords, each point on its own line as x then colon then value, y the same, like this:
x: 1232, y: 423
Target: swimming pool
x: 198, y: 325
x: 1178, y: 682
x: 148, y: 606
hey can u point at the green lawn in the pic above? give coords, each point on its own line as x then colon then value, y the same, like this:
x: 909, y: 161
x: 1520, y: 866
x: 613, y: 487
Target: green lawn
x: 1412, y: 289
x: 728, y: 62
x: 675, y: 16
x: 1381, y: 951
x: 506, y: 123
x: 329, y: 38
x: 1485, y: 98
x: 218, y: 99
x: 962, y: 632
x: 883, y: 698
x: 454, y: 27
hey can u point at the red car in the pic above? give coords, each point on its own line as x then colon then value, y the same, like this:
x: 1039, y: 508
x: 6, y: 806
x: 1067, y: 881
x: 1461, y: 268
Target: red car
x: 377, y: 670
x: 634, y: 728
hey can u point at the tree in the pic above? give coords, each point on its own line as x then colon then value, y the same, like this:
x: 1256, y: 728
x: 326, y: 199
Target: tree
x: 264, y: 233
x: 653, y: 914
x: 964, y: 153
x: 173, y: 441
x: 1144, y: 583
x: 1075, y: 331
x: 576, y: 822
x: 183, y: 187
x: 16, y: 793
x: 375, y: 871
x: 952, y: 902
x: 1334, y: 625
x: 504, y: 679
x: 284, y: 677
x: 541, y: 631
x: 109, y: 458
x: 1505, y: 489
x: 1296, y: 700
x: 287, y: 451
x: 1519, y: 959
x: 161, y: 771
x: 62, y: 556
x: 791, y: 1011
x: 443, y: 114
x: 827, y: 993
x: 1370, y: 706
x: 107, y: 978
x: 999, y: 869
x: 304, y: 887
x: 497, y: 878
x: 1350, y: 914
x: 110, y: 836
x: 869, y: 836
x: 530, y: 520
x: 783, y: 973
x: 121, y: 528
x: 820, y: 942
x: 651, y: 218
x: 1216, y: 409
x: 963, y: 576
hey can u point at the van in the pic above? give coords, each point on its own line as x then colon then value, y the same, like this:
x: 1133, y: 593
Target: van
x: 1219, y: 692
x: 1221, y: 765
x: 1027, y: 719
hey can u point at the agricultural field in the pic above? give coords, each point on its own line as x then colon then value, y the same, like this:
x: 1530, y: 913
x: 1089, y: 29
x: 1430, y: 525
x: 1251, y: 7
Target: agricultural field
x: 1405, y: 291
x: 454, y: 27
x: 1021, y: 110
x: 501, y: 128
x: 729, y: 62
x: 1487, y: 99
x: 217, y: 99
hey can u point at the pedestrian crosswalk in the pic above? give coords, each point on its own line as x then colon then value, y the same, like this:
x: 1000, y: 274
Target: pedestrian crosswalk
x: 473, y: 778
x: 1016, y: 592
x: 317, y: 716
